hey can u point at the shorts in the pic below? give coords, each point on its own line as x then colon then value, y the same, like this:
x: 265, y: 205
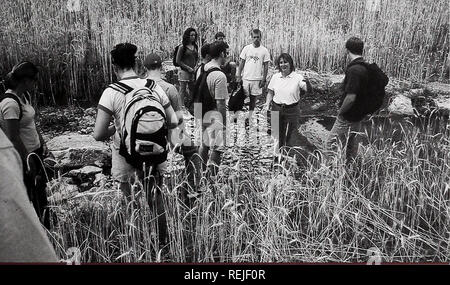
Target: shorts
x: 123, y: 172
x: 213, y: 138
x: 251, y: 87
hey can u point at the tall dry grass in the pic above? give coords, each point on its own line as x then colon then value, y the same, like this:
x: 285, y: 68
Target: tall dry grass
x: 393, y: 200
x: 408, y: 38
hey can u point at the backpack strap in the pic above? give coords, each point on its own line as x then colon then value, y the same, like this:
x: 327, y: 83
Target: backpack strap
x: 151, y: 84
x: 121, y: 87
x: 15, y: 98
x: 212, y: 70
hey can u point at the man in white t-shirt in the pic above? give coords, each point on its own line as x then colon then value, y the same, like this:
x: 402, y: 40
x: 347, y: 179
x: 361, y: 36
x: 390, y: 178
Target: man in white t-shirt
x: 253, y: 68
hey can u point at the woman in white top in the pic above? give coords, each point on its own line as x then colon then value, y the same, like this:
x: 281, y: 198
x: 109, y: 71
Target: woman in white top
x: 284, y: 92
x: 17, y: 119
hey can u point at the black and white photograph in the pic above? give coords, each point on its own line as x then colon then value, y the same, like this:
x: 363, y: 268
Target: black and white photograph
x: 234, y: 132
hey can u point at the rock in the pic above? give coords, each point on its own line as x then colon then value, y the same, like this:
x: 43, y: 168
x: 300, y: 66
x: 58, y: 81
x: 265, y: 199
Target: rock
x: 85, y: 174
x: 73, y: 151
x: 100, y: 180
x: 60, y: 191
x: 401, y: 105
x: 315, y: 133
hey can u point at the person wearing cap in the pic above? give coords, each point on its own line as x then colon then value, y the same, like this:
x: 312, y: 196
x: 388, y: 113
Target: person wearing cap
x: 153, y: 64
x: 229, y: 67
x: 17, y: 120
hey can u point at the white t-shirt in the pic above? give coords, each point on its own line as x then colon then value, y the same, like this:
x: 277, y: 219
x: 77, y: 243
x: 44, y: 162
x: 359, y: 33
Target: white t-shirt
x: 254, y: 59
x: 10, y: 110
x: 287, y: 89
x: 112, y: 102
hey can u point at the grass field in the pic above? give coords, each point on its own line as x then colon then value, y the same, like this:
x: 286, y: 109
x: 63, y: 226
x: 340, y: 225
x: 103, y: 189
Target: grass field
x: 408, y: 38
x: 393, y: 201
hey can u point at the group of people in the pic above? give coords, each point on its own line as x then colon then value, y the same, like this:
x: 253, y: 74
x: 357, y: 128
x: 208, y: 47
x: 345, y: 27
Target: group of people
x: 23, y: 148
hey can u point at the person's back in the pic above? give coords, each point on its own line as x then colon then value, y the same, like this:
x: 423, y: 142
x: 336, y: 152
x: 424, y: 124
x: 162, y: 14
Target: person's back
x: 213, y: 130
x: 355, y: 82
x: 22, y: 237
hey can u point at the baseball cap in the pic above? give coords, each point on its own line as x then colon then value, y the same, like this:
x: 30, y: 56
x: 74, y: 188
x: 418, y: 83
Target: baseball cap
x: 152, y: 60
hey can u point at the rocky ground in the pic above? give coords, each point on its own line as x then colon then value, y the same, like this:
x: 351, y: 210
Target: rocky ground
x: 85, y: 164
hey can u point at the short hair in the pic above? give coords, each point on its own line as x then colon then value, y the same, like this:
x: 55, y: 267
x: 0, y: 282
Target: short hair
x: 219, y: 34
x: 124, y: 55
x: 216, y: 48
x: 204, y: 51
x: 355, y: 45
x: 21, y: 71
x: 287, y: 58
x: 256, y: 32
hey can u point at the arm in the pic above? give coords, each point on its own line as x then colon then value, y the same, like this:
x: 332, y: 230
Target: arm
x: 347, y: 104
x: 181, y: 63
x: 266, y: 70
x: 13, y: 133
x: 241, y: 68
x: 102, y: 129
x: 172, y: 119
x: 222, y: 109
x: 43, y: 144
x: 172, y: 124
x: 269, y: 99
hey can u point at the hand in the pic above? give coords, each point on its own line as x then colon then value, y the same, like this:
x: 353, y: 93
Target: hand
x: 45, y: 151
x: 266, y: 107
x: 238, y: 78
x: 262, y: 84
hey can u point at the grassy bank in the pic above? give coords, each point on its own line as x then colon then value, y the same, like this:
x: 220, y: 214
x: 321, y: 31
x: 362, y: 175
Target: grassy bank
x: 393, y: 200
x: 408, y: 38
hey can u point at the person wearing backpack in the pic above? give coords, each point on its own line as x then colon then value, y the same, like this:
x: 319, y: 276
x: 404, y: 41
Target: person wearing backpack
x: 142, y: 116
x: 17, y: 119
x: 363, y: 94
x: 186, y: 57
x: 211, y: 93
x: 204, y: 52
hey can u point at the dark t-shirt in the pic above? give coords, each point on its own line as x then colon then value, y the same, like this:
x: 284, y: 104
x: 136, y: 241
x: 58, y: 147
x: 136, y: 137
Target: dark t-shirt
x: 355, y: 82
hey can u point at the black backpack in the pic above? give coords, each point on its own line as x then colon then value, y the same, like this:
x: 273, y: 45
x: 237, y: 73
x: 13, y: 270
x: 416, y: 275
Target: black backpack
x: 201, y: 92
x: 237, y: 99
x: 15, y: 98
x: 174, y: 59
x: 375, y: 90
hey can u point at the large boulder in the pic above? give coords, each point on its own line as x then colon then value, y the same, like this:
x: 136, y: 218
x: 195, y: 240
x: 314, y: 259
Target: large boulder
x: 73, y: 151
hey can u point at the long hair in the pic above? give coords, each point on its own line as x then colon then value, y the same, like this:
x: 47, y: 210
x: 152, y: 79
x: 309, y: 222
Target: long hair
x: 186, y: 37
x: 287, y: 58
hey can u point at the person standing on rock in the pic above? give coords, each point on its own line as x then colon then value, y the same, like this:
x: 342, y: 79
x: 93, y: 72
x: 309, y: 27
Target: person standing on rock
x: 253, y: 69
x: 153, y: 64
x: 229, y: 67
x: 17, y: 119
x: 350, y: 115
x: 22, y: 238
x: 186, y: 59
x: 284, y: 93
x: 111, y: 107
x: 214, y: 84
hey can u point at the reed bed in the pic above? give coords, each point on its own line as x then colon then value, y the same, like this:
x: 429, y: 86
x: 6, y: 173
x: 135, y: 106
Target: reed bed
x: 408, y: 38
x: 393, y: 200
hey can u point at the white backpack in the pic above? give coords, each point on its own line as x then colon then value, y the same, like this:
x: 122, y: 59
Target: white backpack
x: 143, y: 138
